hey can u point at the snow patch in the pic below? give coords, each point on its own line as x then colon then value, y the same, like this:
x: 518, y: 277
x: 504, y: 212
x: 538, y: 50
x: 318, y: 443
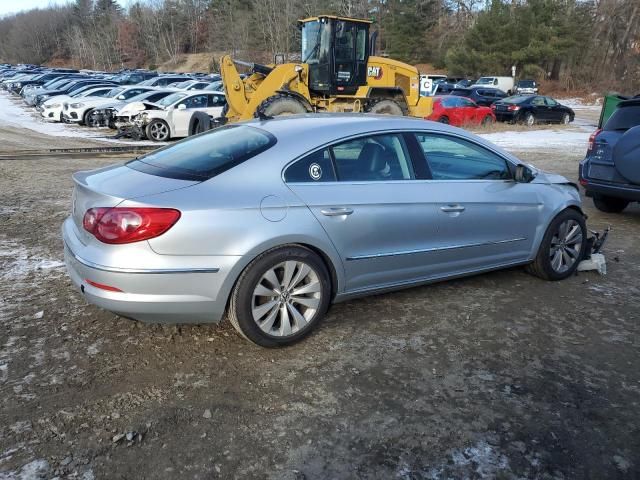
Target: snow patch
x: 540, y: 139
x: 31, y: 471
x: 484, y: 460
x: 13, y: 114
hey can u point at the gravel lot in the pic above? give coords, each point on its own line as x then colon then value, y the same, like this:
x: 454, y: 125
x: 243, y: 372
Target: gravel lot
x: 497, y: 376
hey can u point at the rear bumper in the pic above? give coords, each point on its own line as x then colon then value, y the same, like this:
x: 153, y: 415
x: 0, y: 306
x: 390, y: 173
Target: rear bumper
x: 505, y: 116
x: 627, y: 192
x: 173, y: 292
x: 610, y: 183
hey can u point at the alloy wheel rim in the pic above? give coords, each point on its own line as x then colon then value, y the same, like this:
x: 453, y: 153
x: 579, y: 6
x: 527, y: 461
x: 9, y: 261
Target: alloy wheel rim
x: 530, y: 120
x: 566, y: 245
x: 286, y: 298
x: 158, y: 131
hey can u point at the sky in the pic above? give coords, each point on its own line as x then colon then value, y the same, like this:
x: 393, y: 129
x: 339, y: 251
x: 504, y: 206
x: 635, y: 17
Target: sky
x: 15, y: 6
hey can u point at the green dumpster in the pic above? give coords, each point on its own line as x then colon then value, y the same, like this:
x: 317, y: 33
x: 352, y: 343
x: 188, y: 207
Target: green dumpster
x: 611, y: 101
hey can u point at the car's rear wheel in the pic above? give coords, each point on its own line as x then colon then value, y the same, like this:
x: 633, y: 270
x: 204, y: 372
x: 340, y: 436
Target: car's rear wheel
x: 529, y: 119
x: 562, y: 247
x: 444, y: 119
x: 488, y: 120
x: 158, y: 131
x: 280, y: 297
x: 610, y: 204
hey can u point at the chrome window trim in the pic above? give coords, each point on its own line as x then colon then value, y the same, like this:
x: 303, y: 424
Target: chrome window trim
x: 434, y: 249
x: 160, y: 271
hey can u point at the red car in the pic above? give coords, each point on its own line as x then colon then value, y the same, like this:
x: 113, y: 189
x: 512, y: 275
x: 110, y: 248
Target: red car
x: 459, y: 111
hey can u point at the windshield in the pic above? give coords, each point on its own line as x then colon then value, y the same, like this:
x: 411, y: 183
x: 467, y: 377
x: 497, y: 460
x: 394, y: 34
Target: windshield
x: 316, y: 37
x: 215, y: 86
x: 526, y: 83
x: 174, y: 97
x: 461, y: 92
x: 148, y: 82
x: 204, y: 156
x: 143, y: 96
x: 624, y: 118
x: 114, y: 92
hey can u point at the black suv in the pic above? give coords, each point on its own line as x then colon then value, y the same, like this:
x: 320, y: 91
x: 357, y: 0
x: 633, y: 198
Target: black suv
x: 481, y: 95
x: 610, y: 172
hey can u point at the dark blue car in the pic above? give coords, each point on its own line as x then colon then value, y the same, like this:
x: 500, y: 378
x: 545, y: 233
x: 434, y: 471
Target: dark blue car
x: 610, y: 173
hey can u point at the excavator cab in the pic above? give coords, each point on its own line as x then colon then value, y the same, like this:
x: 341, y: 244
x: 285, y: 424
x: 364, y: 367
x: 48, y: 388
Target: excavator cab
x: 336, y: 49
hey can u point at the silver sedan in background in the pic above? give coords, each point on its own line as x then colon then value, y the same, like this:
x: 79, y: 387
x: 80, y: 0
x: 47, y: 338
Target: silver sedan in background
x: 271, y: 221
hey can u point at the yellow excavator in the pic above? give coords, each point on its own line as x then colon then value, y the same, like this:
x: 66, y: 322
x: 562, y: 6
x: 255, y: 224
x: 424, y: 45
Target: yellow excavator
x: 338, y: 72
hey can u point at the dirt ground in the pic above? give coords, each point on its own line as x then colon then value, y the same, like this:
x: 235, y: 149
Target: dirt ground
x: 500, y: 375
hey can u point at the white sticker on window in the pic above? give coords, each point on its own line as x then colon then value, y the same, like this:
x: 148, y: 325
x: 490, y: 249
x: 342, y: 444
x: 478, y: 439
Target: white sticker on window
x: 315, y: 171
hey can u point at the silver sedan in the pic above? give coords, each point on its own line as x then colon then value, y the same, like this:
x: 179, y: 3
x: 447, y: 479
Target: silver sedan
x: 269, y: 222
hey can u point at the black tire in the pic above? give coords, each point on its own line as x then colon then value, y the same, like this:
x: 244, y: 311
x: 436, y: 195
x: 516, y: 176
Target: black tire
x: 158, y: 131
x: 529, y: 119
x: 243, y: 297
x: 280, y: 104
x: 385, y: 106
x: 200, y: 122
x: 488, y: 120
x: 444, y: 119
x: 542, y: 265
x: 610, y: 204
x: 86, y: 118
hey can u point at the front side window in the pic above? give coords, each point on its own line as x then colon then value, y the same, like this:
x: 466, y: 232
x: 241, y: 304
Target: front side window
x: 316, y: 167
x: 550, y: 102
x: 216, y: 100
x: 453, y: 158
x: 361, y: 44
x: 204, y: 156
x: 198, y: 101
x: 376, y: 158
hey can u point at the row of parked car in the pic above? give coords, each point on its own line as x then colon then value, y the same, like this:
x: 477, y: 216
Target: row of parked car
x: 138, y: 103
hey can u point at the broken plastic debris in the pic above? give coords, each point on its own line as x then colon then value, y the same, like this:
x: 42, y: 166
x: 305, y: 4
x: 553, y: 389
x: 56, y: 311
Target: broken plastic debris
x: 596, y: 262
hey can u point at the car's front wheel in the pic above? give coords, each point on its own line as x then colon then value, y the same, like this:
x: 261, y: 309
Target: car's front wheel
x: 610, y: 204
x: 158, y: 131
x: 566, y: 119
x: 280, y: 297
x: 562, y: 247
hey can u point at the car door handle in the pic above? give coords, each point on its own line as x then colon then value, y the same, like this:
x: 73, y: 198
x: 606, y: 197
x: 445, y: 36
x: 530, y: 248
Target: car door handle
x: 336, y: 211
x: 452, y: 208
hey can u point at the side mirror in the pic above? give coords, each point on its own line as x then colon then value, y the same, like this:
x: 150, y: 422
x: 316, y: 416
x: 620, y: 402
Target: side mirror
x: 182, y: 106
x: 524, y: 174
x: 121, y: 97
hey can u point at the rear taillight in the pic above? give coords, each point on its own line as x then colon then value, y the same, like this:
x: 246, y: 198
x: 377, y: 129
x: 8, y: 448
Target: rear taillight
x: 592, y: 139
x: 127, y: 225
x: 513, y: 108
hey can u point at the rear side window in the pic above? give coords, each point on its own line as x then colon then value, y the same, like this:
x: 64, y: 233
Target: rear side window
x: 316, y: 167
x: 453, y: 158
x: 373, y: 159
x: 624, y: 118
x: 205, y: 156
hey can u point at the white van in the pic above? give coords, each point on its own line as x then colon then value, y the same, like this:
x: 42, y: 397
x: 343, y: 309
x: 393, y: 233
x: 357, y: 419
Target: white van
x: 503, y: 83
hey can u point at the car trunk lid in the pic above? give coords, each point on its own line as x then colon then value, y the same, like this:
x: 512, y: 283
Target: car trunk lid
x: 110, y: 186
